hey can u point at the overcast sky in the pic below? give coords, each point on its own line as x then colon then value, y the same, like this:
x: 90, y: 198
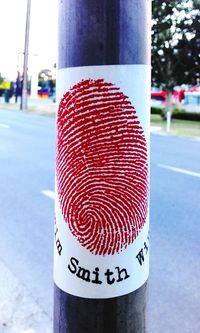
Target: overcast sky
x: 43, y: 34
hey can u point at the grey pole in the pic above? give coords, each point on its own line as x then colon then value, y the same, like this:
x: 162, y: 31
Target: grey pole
x: 25, y: 67
x: 102, y: 32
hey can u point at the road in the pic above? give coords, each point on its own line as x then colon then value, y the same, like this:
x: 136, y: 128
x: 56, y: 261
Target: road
x: 27, y: 147
x: 175, y: 211
x: 27, y: 150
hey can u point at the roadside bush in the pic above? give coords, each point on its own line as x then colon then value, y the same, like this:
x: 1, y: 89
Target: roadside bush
x: 184, y: 115
x: 178, y: 110
x: 156, y: 110
x: 176, y: 114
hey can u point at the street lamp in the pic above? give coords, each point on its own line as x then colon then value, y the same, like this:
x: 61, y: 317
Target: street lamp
x: 25, y: 67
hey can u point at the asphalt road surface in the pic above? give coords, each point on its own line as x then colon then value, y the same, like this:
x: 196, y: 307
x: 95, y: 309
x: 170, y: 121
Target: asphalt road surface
x: 27, y: 150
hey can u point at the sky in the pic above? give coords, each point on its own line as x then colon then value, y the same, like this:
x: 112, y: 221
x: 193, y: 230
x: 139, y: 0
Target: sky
x: 42, y: 38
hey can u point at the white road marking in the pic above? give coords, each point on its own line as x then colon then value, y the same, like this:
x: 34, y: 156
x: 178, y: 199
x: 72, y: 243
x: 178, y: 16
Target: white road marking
x: 196, y: 139
x: 50, y: 194
x: 4, y: 126
x: 186, y: 172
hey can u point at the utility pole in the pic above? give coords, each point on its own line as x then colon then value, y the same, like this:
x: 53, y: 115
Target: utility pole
x: 101, y: 253
x: 25, y: 67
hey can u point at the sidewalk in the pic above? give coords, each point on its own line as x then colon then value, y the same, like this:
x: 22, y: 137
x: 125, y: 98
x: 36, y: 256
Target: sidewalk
x: 45, y: 107
x: 20, y: 312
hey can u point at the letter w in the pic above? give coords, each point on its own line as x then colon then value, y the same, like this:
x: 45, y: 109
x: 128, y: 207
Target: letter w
x: 140, y: 257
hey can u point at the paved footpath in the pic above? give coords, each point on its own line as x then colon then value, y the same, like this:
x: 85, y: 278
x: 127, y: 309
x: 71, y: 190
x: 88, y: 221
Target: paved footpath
x: 37, y: 106
x: 19, y: 311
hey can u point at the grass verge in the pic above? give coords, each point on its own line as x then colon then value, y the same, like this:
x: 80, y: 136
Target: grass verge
x: 178, y: 127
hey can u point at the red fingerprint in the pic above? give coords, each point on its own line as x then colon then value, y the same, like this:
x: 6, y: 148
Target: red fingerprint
x: 101, y: 166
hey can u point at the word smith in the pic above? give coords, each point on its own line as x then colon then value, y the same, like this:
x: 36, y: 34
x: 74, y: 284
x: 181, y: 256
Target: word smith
x: 94, y: 276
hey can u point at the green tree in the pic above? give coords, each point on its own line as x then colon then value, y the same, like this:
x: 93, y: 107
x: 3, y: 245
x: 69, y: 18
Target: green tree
x: 175, y: 45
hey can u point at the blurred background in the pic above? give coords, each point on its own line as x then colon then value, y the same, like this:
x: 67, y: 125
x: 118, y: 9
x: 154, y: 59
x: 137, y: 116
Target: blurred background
x: 27, y: 154
x: 42, y: 49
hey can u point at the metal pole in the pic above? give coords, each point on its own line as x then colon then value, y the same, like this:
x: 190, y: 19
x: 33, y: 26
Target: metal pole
x: 95, y: 290
x: 25, y: 67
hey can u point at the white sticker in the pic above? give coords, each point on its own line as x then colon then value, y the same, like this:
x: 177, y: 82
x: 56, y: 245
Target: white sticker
x: 102, y: 180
